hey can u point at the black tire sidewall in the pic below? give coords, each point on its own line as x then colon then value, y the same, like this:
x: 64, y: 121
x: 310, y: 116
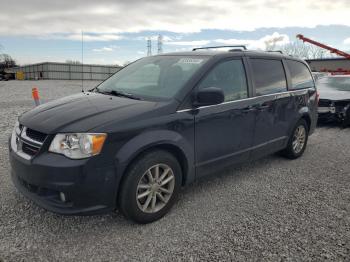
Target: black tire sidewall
x: 127, y: 197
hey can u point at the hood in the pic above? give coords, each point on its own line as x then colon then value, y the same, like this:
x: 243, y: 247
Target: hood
x: 334, y: 88
x: 83, y: 112
x: 333, y: 94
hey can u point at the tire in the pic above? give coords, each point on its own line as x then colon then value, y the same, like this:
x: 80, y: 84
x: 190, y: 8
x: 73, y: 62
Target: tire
x: 140, y: 187
x: 346, y: 121
x: 292, y: 151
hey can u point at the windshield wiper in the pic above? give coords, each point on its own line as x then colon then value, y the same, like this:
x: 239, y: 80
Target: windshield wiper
x: 100, y: 91
x: 124, y: 94
x: 117, y: 93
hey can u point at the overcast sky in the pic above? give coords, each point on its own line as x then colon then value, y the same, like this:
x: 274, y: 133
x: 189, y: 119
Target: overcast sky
x: 115, y: 31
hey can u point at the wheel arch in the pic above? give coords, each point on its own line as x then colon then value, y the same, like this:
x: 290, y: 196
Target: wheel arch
x: 169, y: 141
x: 307, y: 118
x: 179, y: 155
x: 303, y: 114
x: 170, y: 148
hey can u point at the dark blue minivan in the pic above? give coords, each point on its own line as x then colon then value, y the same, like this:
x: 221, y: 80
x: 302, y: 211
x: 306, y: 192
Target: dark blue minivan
x: 159, y: 124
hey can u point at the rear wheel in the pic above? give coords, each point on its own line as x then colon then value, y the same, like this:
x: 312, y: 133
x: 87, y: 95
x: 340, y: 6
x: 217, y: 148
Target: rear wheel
x: 150, y: 187
x: 298, y: 140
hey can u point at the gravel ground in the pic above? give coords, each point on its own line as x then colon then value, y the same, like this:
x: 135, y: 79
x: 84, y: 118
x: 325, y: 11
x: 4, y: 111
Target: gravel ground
x: 271, y: 209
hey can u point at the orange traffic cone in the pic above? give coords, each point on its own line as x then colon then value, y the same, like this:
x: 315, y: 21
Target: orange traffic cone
x: 35, y: 94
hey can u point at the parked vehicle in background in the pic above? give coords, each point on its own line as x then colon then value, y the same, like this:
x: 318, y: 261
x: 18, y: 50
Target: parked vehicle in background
x: 334, y: 104
x: 3, y: 78
x: 158, y: 124
x: 318, y: 75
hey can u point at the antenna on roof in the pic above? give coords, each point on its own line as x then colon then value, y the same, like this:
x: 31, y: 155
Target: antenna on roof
x: 82, y: 61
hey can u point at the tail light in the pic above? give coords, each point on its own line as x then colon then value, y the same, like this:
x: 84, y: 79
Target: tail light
x: 317, y: 96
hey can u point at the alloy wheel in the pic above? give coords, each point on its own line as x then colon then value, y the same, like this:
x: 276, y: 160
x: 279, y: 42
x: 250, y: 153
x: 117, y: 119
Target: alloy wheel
x: 155, y: 188
x: 299, y: 139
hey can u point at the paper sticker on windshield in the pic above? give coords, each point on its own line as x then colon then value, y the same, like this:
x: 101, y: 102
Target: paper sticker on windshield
x: 190, y: 61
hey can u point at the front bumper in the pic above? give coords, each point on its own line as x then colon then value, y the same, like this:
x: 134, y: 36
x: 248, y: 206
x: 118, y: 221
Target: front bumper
x: 341, y: 115
x: 338, y: 111
x: 89, y: 185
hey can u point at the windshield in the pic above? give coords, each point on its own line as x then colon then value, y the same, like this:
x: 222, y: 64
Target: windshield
x: 157, y: 77
x: 341, y: 83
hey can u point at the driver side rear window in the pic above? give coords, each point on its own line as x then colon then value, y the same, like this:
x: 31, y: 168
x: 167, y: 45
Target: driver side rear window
x: 269, y: 76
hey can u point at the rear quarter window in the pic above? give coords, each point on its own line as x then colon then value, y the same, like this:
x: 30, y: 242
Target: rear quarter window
x: 300, y: 74
x: 269, y: 76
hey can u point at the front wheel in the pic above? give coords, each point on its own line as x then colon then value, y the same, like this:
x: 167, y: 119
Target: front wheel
x: 150, y: 187
x: 298, y: 140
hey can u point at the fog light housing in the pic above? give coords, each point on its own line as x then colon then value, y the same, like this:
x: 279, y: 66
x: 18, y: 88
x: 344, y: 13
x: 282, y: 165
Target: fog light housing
x: 62, y: 197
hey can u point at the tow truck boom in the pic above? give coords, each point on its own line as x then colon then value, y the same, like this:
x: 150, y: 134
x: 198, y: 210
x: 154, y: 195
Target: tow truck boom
x: 331, y: 49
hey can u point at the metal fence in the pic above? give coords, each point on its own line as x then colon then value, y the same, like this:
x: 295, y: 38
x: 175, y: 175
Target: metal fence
x: 329, y: 64
x: 63, y: 71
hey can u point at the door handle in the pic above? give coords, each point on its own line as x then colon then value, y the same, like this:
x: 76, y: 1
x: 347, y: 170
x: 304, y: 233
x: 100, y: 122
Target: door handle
x: 262, y: 107
x: 248, y: 109
x: 239, y: 112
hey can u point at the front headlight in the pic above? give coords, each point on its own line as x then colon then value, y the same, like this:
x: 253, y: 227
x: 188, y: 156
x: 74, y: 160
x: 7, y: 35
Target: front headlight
x: 17, y: 128
x: 78, y: 145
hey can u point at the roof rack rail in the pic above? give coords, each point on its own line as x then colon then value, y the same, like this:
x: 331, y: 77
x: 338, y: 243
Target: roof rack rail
x: 275, y: 51
x: 243, y: 47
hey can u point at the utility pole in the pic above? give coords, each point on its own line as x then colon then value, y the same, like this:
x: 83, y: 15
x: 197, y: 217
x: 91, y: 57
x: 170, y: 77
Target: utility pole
x: 160, y: 44
x: 149, y: 47
x: 82, y: 61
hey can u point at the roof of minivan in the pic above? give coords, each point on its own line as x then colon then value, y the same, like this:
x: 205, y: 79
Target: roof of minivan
x: 233, y: 53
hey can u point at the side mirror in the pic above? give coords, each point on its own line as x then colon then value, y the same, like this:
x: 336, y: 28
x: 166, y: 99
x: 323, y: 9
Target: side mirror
x: 209, y: 96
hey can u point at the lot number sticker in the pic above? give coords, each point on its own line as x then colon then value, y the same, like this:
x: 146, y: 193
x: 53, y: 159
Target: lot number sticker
x: 190, y: 61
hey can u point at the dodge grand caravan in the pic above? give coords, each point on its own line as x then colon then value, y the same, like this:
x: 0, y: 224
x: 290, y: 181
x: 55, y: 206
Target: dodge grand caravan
x: 159, y: 124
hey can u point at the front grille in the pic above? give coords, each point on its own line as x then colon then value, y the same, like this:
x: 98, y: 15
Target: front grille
x: 35, y: 135
x: 40, y: 191
x: 27, y: 142
x: 324, y: 103
x: 29, y: 149
x: 343, y: 103
x: 46, y: 194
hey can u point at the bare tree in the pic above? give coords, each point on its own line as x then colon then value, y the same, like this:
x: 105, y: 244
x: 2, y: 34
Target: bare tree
x: 6, y: 61
x: 304, y: 51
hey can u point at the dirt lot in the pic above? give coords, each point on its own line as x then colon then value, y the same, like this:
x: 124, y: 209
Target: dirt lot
x: 271, y: 209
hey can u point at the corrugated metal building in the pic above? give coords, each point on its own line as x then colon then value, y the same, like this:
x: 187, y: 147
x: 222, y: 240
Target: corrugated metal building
x: 332, y: 64
x: 65, y: 71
